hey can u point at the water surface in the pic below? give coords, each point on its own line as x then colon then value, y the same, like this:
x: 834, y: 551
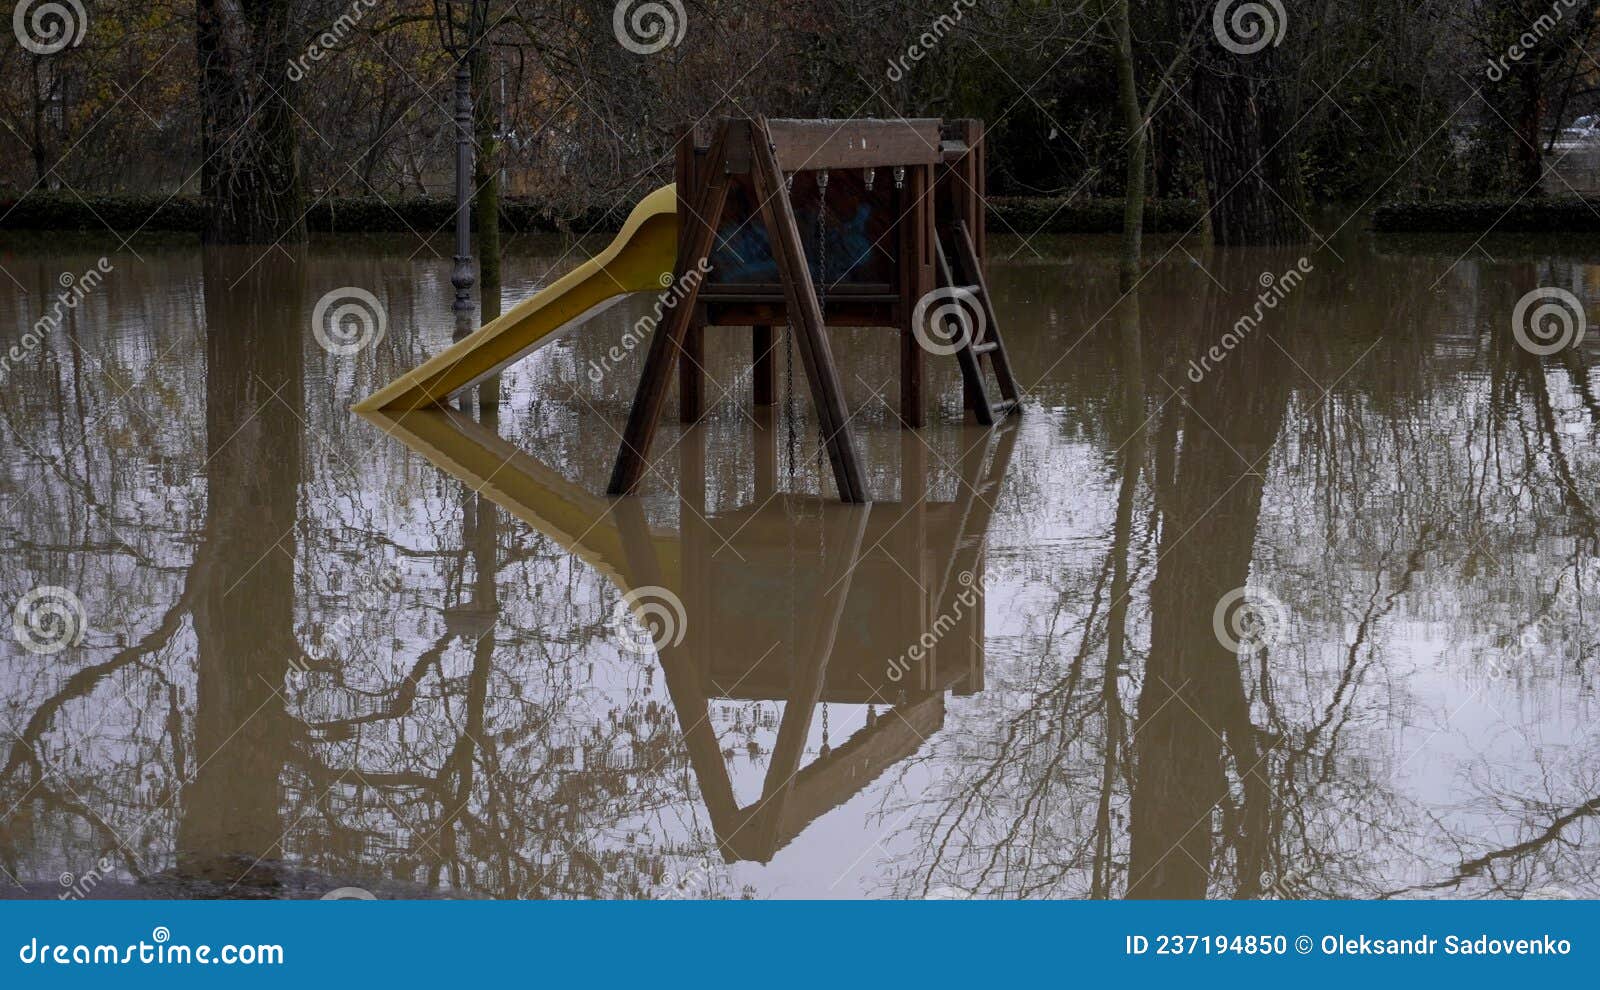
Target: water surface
x: 428, y: 657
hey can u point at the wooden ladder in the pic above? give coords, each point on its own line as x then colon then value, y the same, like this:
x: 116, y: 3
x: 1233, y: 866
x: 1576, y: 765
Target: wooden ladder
x: 966, y: 277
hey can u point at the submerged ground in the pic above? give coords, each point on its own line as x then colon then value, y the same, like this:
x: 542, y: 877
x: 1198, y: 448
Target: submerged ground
x: 1307, y: 610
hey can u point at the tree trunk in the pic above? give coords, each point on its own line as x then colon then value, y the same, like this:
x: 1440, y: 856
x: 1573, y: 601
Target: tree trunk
x: 486, y: 202
x: 41, y: 100
x: 1131, y: 261
x: 486, y: 180
x: 1527, y: 157
x: 250, y: 177
x: 1246, y: 137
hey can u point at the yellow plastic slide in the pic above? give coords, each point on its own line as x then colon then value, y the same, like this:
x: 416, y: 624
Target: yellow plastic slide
x: 639, y: 259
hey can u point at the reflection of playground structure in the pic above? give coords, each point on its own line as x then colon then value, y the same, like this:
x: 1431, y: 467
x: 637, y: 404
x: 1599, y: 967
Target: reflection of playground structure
x: 798, y: 600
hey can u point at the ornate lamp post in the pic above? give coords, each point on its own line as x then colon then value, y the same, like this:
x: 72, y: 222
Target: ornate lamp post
x: 461, y: 28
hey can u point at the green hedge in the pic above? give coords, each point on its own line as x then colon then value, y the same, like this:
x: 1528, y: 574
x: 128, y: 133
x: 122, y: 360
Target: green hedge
x: 1477, y: 216
x: 65, y: 211
x: 353, y: 214
x: 343, y: 214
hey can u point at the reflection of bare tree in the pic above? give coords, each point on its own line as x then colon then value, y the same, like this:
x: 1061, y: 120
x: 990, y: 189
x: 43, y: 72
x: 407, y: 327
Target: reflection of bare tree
x: 1132, y: 444
x: 1243, y: 776
x: 236, y: 776
x: 1415, y: 521
x: 1557, y: 846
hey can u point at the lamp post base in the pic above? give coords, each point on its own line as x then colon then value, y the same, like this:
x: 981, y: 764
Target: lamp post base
x: 463, y: 280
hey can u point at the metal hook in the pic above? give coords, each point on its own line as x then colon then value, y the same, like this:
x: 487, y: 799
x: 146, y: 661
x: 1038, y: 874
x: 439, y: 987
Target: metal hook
x: 899, y: 176
x: 872, y: 174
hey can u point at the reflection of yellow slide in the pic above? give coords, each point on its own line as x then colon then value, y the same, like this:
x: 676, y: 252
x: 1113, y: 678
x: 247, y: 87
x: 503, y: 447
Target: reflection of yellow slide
x: 583, y: 524
x: 640, y: 258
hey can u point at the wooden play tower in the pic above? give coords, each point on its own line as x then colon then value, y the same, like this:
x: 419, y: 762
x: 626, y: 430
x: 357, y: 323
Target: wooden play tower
x: 817, y: 223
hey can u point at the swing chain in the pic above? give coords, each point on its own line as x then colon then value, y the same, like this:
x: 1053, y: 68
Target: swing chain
x: 822, y: 242
x: 790, y: 407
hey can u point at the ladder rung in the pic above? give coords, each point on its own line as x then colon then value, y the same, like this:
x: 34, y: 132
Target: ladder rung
x: 1004, y: 406
x: 973, y: 289
x: 985, y: 347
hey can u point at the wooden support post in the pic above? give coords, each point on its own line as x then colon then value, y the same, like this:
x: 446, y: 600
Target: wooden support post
x: 961, y: 198
x: 962, y: 180
x: 692, y: 371
x: 632, y: 456
x: 764, y: 374
x: 916, y: 280
x: 766, y: 455
x: 977, y: 177
x: 692, y: 477
x: 805, y: 316
x: 913, y: 373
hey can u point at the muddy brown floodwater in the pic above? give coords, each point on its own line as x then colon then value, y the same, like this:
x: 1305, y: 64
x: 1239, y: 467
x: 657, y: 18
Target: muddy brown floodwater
x: 1302, y: 609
